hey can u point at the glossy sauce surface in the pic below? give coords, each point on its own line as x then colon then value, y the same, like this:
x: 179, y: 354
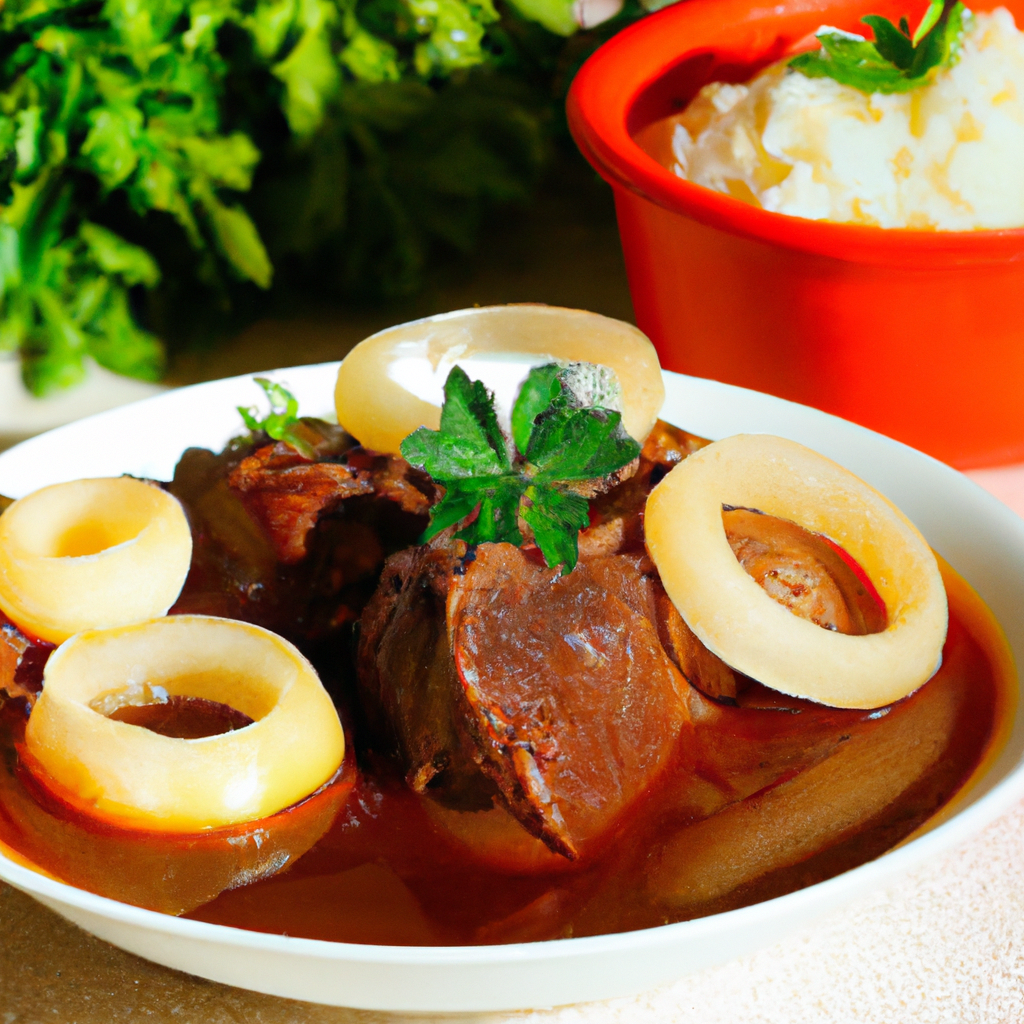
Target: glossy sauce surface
x: 710, y: 835
x: 391, y: 871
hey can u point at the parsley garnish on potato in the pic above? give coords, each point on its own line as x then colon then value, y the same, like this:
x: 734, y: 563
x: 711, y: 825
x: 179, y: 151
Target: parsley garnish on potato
x: 895, y: 61
x: 556, y: 443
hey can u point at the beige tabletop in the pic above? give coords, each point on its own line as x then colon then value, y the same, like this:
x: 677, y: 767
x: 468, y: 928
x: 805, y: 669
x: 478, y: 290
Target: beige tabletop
x: 943, y: 946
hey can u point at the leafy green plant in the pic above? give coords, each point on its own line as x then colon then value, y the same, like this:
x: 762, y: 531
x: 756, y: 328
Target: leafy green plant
x: 132, y: 135
x: 97, y: 100
x: 896, y: 61
x: 490, y: 486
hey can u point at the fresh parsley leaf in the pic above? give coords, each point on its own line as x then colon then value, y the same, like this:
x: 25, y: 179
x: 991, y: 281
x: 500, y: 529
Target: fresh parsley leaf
x: 451, y: 459
x: 489, y: 487
x: 894, y: 44
x: 282, y: 423
x: 468, y: 412
x: 539, y: 390
x: 579, y: 444
x: 470, y: 442
x: 928, y: 22
x: 556, y: 517
x: 498, y: 519
x: 460, y: 501
x: 896, y: 61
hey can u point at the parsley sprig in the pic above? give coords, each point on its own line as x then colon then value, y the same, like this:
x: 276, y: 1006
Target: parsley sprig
x: 896, y: 61
x: 282, y: 423
x: 555, y: 444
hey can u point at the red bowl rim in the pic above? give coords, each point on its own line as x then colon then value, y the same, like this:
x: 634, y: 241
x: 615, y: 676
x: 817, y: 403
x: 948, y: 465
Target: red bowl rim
x: 607, y: 87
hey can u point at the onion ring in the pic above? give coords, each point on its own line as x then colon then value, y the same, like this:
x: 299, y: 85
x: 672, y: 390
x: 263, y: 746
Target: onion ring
x: 391, y: 383
x: 91, y: 554
x: 151, y: 781
x: 735, y: 619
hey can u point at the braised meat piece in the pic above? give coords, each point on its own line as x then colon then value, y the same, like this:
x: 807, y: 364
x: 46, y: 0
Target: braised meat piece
x: 616, y: 518
x: 489, y: 678
x: 286, y: 493
x: 411, y: 697
x: 803, y: 572
x: 703, y: 670
x: 234, y: 567
x: 492, y: 675
x: 292, y: 543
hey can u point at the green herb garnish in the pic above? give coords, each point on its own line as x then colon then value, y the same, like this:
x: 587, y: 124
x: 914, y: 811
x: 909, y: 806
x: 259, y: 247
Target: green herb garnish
x: 896, y: 61
x: 556, y: 443
x: 282, y: 423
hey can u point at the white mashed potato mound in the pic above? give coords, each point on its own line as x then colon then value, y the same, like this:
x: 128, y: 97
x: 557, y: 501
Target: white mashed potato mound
x: 946, y: 156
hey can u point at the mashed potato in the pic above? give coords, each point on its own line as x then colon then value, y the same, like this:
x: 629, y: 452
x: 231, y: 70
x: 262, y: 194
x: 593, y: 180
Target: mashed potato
x: 946, y: 156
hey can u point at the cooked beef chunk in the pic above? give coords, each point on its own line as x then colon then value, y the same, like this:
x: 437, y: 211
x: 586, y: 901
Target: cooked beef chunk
x: 554, y: 689
x: 411, y: 696
x: 291, y: 543
x: 616, y: 518
x: 394, y: 479
x: 575, y: 705
x: 485, y: 675
x: 702, y: 669
x: 285, y: 493
x: 803, y: 572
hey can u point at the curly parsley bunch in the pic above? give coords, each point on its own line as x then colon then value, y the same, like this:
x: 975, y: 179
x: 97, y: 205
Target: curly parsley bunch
x: 125, y: 122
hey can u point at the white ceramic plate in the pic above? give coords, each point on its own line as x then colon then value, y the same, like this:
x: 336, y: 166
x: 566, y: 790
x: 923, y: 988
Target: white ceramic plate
x: 22, y: 415
x: 981, y: 538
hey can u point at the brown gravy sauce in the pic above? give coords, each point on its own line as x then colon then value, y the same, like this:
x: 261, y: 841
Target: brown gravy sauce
x: 388, y: 870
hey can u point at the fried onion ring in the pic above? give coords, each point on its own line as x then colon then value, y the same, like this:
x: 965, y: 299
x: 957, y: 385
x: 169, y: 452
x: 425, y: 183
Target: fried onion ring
x: 91, y: 554
x: 146, y: 780
x: 735, y: 619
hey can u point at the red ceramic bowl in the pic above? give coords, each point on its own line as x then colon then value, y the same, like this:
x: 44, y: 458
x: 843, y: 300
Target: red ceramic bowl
x: 917, y: 334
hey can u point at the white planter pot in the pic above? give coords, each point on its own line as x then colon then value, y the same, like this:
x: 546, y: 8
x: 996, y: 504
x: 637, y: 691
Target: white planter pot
x: 22, y: 414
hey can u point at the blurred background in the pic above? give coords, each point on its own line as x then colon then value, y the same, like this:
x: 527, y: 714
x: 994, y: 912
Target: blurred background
x: 190, y: 190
